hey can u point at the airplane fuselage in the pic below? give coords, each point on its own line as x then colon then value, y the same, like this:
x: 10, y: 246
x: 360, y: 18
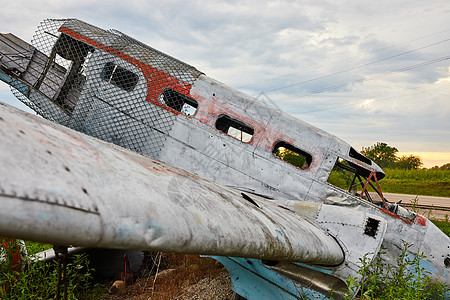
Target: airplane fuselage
x: 112, y: 87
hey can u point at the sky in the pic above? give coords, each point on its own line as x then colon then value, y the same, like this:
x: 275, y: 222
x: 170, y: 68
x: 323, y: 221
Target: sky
x: 366, y: 71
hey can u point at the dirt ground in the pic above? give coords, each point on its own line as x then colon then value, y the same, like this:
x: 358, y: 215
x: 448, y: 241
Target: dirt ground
x: 175, y: 276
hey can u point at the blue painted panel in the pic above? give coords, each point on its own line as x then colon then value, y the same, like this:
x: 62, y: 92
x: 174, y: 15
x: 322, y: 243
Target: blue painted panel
x: 252, y: 280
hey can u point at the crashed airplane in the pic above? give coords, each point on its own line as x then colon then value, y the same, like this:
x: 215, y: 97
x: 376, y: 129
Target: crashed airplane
x: 139, y: 150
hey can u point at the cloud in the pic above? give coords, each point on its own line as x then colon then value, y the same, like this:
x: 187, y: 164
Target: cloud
x: 332, y: 55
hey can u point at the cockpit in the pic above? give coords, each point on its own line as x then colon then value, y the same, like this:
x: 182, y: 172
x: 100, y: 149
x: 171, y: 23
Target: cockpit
x: 359, y: 176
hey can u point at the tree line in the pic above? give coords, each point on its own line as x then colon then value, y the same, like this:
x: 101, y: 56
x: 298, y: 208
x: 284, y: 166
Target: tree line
x: 381, y: 153
x: 386, y: 157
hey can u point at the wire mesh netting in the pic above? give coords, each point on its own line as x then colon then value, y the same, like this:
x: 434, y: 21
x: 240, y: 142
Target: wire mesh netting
x: 103, y: 83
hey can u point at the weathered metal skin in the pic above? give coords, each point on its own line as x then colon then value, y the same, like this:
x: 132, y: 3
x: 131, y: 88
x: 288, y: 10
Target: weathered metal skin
x: 85, y: 191
x: 110, y: 86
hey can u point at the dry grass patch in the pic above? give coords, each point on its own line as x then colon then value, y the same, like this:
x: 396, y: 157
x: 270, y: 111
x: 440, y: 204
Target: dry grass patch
x: 170, y: 276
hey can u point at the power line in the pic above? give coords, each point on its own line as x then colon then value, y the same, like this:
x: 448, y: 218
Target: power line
x: 346, y: 59
x: 377, y: 76
x: 358, y: 67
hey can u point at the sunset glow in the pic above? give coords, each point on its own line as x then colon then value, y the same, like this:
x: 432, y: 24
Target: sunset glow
x: 429, y: 159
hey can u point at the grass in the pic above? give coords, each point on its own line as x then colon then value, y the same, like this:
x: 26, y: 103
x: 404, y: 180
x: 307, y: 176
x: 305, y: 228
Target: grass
x: 418, y: 175
x: 417, y: 182
x: 425, y: 188
x: 38, y: 280
x: 36, y: 247
x: 414, y: 182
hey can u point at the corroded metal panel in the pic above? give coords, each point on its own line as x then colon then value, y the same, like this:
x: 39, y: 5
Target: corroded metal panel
x: 80, y: 191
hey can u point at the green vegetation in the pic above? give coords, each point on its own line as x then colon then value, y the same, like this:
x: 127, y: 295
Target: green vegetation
x: 407, y: 280
x: 440, y: 189
x: 443, y: 167
x: 36, y: 247
x: 341, y: 178
x: 38, y: 280
x: 417, y: 182
x: 418, y: 175
x: 291, y: 157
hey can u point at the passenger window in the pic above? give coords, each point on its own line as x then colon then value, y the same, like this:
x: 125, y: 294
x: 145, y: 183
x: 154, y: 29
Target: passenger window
x: 119, y: 76
x: 179, y: 102
x: 235, y: 128
x: 292, y: 155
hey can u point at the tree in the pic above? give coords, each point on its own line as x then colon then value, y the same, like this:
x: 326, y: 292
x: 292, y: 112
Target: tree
x: 382, y: 154
x: 443, y: 167
x: 386, y: 157
x: 410, y: 162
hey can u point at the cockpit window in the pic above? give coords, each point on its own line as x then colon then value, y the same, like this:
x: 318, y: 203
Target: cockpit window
x: 363, y: 183
x: 355, y: 180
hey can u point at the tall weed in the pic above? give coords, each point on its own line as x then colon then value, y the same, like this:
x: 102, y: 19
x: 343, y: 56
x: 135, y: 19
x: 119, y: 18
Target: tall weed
x: 407, y: 280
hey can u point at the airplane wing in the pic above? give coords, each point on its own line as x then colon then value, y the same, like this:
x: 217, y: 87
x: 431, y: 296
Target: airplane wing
x: 63, y: 187
x: 66, y: 188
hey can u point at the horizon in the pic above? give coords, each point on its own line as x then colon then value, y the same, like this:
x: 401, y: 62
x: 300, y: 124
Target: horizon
x: 428, y: 159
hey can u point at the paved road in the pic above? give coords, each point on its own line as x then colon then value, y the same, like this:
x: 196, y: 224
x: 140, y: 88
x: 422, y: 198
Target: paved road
x: 424, y: 200
x: 440, y: 205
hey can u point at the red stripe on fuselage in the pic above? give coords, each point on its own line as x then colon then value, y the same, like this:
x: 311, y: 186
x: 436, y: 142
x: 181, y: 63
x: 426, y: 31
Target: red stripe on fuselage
x: 419, y: 220
x: 157, y: 80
